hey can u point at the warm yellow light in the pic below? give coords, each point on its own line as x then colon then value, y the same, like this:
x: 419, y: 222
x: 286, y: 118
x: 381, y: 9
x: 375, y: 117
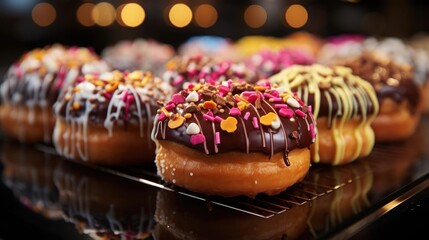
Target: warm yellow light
x: 296, y: 16
x: 44, y: 14
x: 132, y: 14
x: 255, y: 16
x: 180, y: 15
x: 83, y: 14
x: 103, y: 14
x: 205, y: 15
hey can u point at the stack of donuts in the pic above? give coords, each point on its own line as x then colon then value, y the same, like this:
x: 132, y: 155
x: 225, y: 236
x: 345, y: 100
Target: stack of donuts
x: 249, y: 119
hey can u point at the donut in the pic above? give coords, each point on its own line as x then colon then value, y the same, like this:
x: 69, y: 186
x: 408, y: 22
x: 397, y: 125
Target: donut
x: 339, y: 47
x: 28, y: 173
x: 180, y: 217
x: 138, y: 54
x: 399, y: 96
x: 184, y: 70
x: 107, y: 119
x: 32, y: 85
x: 233, y: 138
x: 93, y: 201
x: 267, y: 63
x: 343, y: 104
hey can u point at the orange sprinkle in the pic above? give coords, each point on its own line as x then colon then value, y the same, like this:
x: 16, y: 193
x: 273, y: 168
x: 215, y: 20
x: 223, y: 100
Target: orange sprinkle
x: 229, y: 124
x: 177, y: 122
x: 99, y: 83
x: 268, y: 119
x: 209, y: 105
x: 187, y: 115
x: 259, y: 88
x: 67, y: 97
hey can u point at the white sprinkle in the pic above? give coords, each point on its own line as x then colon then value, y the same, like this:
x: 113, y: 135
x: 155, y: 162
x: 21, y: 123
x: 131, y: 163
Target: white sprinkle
x: 292, y: 102
x: 191, y: 174
x: 256, y: 181
x: 174, y: 180
x: 192, y: 129
x: 276, y: 124
x: 192, y: 97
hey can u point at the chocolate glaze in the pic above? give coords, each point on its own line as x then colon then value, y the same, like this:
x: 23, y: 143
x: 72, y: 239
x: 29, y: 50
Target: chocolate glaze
x: 389, y: 79
x: 246, y: 138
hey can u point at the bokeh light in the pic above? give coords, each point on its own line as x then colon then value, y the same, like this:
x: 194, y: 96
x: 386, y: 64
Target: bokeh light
x: 296, y: 16
x: 83, y: 14
x: 180, y: 15
x: 205, y: 15
x: 103, y: 14
x: 255, y: 16
x: 44, y: 14
x: 131, y: 14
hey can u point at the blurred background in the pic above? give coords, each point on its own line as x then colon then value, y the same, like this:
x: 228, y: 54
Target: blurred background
x: 26, y: 24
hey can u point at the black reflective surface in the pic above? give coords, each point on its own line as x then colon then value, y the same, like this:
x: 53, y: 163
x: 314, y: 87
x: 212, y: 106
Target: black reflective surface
x: 47, y: 197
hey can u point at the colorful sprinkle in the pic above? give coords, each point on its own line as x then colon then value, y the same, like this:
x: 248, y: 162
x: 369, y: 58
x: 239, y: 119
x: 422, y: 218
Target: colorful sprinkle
x: 176, y: 122
x: 300, y: 113
x: 246, y: 115
x: 197, y: 139
x: 286, y: 112
x: 177, y: 98
x: 209, y: 105
x: 255, y: 122
x: 234, y: 112
x: 208, y: 117
x: 268, y: 119
x: 218, y: 119
x: 192, y: 129
x: 229, y: 124
x: 217, y: 136
x: 292, y: 102
x: 192, y: 97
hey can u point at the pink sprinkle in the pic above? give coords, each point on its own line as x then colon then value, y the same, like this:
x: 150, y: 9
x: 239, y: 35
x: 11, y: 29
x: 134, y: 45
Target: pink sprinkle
x: 192, y: 72
x: 252, y: 98
x: 161, y: 117
x: 218, y: 119
x: 280, y: 106
x: 313, y: 135
x: 230, y: 83
x: 300, y: 113
x: 300, y: 102
x: 246, y: 115
x: 277, y: 99
x: 197, y: 139
x: 275, y: 93
x: 247, y: 94
x: 210, y: 113
x: 170, y: 106
x: 208, y: 117
x: 217, y: 138
x: 178, y: 80
x: 286, y: 112
x: 223, y: 89
x: 267, y: 95
x: 177, y: 98
x: 310, y: 109
x: 255, y: 122
x: 130, y: 98
x: 108, y: 95
x: 234, y: 112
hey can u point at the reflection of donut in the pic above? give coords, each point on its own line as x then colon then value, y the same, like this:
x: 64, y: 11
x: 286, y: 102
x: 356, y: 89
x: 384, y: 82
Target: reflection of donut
x: 32, y: 85
x: 234, y: 139
x: 107, y: 119
x: 29, y: 174
x: 398, y: 94
x: 180, y: 217
x: 344, y: 105
x: 100, y: 204
x: 351, y: 184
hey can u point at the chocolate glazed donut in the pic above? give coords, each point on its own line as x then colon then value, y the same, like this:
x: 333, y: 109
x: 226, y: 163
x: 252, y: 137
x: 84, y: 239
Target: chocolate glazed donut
x: 398, y: 94
x: 245, y: 137
x: 107, y: 119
